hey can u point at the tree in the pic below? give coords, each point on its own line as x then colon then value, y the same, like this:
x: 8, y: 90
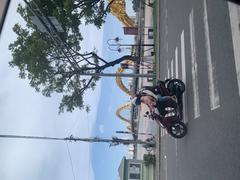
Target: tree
x: 93, y: 11
x: 136, y: 4
x: 52, y: 61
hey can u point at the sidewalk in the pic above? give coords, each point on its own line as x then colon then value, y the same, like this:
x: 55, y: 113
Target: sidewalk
x: 156, y: 19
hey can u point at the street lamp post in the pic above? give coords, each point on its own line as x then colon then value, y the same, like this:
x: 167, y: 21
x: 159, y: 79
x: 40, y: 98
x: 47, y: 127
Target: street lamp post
x: 117, y: 45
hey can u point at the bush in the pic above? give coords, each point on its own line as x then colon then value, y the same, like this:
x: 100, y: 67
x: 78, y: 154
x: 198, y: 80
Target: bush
x: 149, y: 159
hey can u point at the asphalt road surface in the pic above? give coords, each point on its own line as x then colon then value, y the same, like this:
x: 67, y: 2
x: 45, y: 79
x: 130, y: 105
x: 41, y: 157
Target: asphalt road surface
x: 196, y: 45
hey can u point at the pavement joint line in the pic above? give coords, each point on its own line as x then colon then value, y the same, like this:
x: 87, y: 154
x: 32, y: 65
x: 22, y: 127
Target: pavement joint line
x: 158, y: 143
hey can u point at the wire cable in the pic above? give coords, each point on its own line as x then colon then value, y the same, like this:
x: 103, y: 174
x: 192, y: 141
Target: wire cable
x: 71, y: 162
x: 89, y: 146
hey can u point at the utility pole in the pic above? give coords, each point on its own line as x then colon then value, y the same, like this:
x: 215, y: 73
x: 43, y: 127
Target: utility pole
x: 113, y: 141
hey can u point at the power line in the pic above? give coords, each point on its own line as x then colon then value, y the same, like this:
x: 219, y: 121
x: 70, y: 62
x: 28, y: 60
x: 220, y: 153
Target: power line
x: 89, y: 147
x: 71, y: 162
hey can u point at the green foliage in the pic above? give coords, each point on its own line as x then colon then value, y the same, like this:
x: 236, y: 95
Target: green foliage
x: 96, y: 14
x: 41, y: 60
x: 136, y: 4
x: 149, y: 159
x: 93, y: 11
x: 52, y: 61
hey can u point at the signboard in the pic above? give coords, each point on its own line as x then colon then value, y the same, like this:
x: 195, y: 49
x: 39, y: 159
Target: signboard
x: 130, y: 30
x: 41, y: 27
x: 134, y: 171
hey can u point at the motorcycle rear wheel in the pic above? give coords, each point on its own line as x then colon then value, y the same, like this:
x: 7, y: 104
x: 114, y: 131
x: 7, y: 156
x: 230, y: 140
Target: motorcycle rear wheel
x: 177, y: 129
x: 176, y: 85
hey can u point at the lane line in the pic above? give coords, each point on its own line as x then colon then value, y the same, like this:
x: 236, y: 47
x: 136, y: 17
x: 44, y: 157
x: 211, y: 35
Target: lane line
x: 166, y: 168
x: 166, y: 17
x: 183, y: 63
x: 172, y: 73
x: 183, y: 57
x: 166, y: 26
x: 212, y: 76
x: 176, y: 158
x: 194, y: 66
x: 176, y: 62
x: 176, y: 146
x: 168, y: 70
x: 234, y: 12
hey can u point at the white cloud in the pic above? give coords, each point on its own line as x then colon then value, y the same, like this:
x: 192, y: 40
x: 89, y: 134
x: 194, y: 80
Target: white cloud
x: 101, y: 128
x: 82, y: 165
x: 93, y: 38
x: 110, y: 109
x: 25, y: 112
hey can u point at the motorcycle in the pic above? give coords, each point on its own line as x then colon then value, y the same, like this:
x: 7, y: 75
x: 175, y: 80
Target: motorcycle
x: 176, y: 88
x: 173, y: 124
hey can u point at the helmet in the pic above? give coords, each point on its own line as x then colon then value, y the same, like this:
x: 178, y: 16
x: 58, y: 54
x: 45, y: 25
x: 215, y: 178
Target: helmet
x: 136, y: 101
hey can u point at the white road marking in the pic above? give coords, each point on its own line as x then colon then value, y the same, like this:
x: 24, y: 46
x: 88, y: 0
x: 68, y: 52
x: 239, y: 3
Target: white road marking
x: 166, y: 26
x: 166, y: 13
x: 163, y: 132
x: 212, y: 77
x: 183, y: 61
x: 172, y: 73
x: 183, y: 57
x: 168, y: 70
x: 176, y: 62
x: 166, y: 169
x: 194, y: 66
x: 166, y: 30
x: 176, y: 153
x: 176, y: 148
x: 234, y: 12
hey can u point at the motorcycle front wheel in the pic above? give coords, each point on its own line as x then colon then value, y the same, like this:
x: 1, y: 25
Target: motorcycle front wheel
x: 177, y: 129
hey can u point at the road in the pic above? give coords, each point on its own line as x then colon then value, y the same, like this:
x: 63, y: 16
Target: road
x: 196, y: 46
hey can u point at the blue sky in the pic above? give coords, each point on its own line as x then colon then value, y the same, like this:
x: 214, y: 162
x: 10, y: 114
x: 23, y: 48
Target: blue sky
x: 25, y: 112
x: 104, y: 158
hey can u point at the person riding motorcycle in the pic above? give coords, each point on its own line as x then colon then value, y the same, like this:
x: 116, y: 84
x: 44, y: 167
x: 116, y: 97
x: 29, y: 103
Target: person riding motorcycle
x: 153, y: 99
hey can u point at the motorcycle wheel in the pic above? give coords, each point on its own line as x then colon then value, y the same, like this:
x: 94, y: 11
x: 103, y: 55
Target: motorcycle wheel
x: 177, y: 129
x: 176, y: 85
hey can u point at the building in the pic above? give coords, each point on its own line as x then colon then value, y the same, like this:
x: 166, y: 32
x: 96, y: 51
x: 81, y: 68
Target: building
x: 4, y: 4
x: 132, y: 169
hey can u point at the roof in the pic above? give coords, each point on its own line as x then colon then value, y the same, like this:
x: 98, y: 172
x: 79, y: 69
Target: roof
x: 121, y: 168
x: 4, y: 4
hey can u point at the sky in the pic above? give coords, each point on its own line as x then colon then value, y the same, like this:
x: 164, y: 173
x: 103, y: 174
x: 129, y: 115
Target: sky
x: 26, y: 112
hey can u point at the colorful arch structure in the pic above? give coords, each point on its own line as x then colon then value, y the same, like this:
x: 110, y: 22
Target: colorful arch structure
x: 118, y: 114
x: 119, y: 79
x: 118, y: 9
x: 125, y: 106
x: 127, y: 91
